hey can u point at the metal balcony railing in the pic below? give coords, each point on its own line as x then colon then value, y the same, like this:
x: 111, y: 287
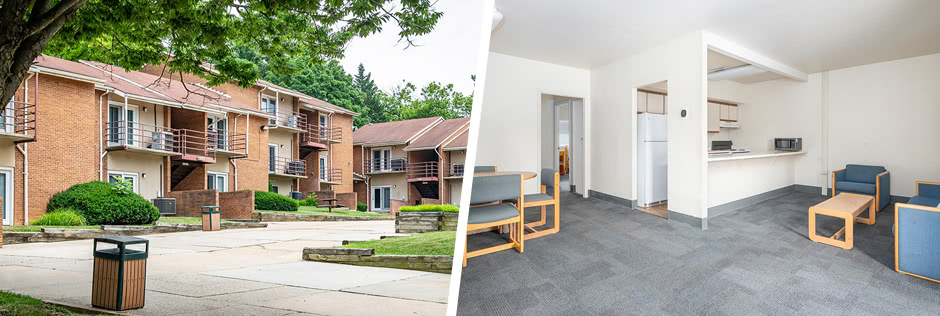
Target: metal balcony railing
x: 321, y: 134
x: 18, y: 118
x: 334, y: 175
x: 288, y: 119
x: 456, y: 169
x: 387, y: 165
x: 287, y: 166
x: 193, y: 143
x: 125, y: 133
x: 427, y: 169
x: 222, y: 140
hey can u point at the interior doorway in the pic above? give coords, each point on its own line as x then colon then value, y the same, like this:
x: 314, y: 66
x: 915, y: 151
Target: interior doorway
x: 652, y: 138
x: 563, y: 140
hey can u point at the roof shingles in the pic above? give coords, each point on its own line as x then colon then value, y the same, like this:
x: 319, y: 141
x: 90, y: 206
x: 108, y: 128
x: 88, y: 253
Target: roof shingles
x: 398, y: 132
x: 438, y: 134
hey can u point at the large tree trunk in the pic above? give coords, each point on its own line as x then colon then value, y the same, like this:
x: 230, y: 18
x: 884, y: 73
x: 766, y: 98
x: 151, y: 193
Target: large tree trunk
x: 26, y: 38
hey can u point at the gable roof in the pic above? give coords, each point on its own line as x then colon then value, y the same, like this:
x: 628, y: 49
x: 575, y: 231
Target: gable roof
x: 438, y: 134
x: 458, y: 143
x: 394, y: 133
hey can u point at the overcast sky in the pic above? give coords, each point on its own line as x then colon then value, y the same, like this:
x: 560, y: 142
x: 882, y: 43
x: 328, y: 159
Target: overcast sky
x: 446, y: 55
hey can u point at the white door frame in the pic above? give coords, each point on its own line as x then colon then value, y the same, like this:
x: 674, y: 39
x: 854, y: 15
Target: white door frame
x: 586, y: 113
x: 372, y: 202
x: 8, y: 196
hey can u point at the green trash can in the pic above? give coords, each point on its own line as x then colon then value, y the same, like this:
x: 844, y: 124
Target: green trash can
x: 119, y: 281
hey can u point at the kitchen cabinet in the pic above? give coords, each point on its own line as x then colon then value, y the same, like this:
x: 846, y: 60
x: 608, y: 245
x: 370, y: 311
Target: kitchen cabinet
x: 655, y: 103
x: 728, y: 112
x: 665, y: 104
x: 641, y: 102
x: 714, y: 114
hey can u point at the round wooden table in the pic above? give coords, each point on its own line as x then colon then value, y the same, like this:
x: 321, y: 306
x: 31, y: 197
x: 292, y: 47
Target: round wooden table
x: 526, y: 175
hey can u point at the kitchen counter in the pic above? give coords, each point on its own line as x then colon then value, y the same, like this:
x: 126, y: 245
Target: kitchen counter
x: 752, y: 155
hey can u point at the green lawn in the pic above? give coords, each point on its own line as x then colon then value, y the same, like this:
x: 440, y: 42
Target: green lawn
x: 184, y: 220
x: 430, y: 243
x: 38, y: 228
x: 15, y: 304
x: 324, y: 211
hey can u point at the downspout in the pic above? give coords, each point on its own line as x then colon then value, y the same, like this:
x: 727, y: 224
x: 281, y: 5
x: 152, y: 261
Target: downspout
x: 101, y: 136
x: 440, y: 180
x: 25, y: 151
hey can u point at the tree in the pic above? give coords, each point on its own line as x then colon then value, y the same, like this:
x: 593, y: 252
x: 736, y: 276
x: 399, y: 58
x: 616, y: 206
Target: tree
x: 326, y: 81
x: 371, y: 98
x: 436, y: 99
x: 134, y: 33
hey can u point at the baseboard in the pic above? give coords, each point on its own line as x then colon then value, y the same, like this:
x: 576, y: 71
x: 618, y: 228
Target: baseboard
x: 701, y: 223
x: 807, y: 188
x: 612, y: 199
x: 748, y: 201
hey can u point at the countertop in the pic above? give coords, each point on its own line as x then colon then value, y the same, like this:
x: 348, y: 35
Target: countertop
x: 752, y: 155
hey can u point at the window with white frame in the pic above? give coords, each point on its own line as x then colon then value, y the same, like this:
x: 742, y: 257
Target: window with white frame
x: 130, y: 177
x: 122, y: 124
x: 269, y: 105
x: 381, y: 159
x: 324, y: 172
x: 218, y: 126
x: 218, y: 181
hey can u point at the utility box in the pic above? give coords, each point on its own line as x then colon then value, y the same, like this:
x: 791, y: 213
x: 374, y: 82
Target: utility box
x: 167, y: 206
x: 120, y: 274
x: 211, y: 218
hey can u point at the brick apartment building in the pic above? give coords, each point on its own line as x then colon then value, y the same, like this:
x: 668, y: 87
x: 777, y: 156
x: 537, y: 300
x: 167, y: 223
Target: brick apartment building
x: 409, y: 162
x: 74, y: 122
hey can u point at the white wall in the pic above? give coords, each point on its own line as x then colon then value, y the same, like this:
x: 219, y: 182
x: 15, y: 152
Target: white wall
x: 613, y: 121
x: 509, y: 115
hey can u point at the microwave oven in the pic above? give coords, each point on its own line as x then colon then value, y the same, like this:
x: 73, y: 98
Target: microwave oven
x: 788, y: 144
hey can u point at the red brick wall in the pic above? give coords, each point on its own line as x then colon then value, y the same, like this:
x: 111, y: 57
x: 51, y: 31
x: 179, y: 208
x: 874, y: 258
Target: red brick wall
x: 342, y: 153
x: 348, y: 199
x: 190, y: 203
x: 362, y: 193
x: 65, y: 114
x: 237, y: 205
x: 253, y: 170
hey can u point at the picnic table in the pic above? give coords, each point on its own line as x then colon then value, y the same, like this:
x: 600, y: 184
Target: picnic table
x: 330, y: 203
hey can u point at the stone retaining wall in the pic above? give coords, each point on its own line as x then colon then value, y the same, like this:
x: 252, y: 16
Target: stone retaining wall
x: 367, y: 257
x: 420, y: 222
x: 63, y: 234
x: 299, y: 217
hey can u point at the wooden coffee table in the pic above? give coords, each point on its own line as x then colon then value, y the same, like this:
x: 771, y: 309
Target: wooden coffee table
x: 846, y: 206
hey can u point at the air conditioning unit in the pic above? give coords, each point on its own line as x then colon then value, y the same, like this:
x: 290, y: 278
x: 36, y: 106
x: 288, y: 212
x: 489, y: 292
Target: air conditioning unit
x: 167, y: 206
x: 297, y: 195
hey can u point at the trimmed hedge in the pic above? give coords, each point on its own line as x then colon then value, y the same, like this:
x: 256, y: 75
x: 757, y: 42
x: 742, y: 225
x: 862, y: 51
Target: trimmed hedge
x: 362, y: 207
x: 268, y: 201
x: 447, y: 208
x: 61, y: 217
x: 102, y: 203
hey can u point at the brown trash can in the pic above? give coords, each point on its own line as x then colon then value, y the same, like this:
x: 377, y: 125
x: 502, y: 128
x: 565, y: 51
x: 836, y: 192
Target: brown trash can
x: 211, y: 218
x: 120, y: 274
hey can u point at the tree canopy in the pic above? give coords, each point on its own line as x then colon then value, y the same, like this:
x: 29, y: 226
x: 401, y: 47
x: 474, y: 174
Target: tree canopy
x: 135, y: 33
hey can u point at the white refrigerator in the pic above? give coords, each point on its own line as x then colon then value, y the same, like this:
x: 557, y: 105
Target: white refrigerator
x: 652, y: 163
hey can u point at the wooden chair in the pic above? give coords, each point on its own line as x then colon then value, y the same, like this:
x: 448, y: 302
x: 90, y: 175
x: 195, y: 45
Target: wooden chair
x: 484, y: 214
x: 549, y: 177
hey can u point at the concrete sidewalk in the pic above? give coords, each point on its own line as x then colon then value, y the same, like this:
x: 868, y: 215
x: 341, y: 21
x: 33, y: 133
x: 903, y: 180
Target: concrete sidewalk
x: 241, y: 271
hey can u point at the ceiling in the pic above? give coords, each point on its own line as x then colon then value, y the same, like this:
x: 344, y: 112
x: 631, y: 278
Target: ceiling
x: 809, y: 35
x: 718, y: 61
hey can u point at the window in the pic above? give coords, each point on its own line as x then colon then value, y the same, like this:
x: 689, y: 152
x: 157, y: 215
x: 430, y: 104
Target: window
x: 7, y: 119
x: 131, y: 177
x: 272, y: 157
x: 381, y: 159
x: 219, y: 127
x: 324, y: 173
x: 122, y: 124
x: 381, y: 198
x: 274, y: 188
x: 269, y: 105
x: 218, y: 181
x: 6, y: 191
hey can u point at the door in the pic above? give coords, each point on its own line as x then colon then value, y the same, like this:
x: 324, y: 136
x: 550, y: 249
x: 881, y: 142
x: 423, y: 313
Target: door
x: 324, y: 174
x: 324, y: 126
x: 381, y: 198
x: 132, y: 130
x: 114, y: 119
x: 381, y: 159
x: 272, y: 157
x: 6, y: 191
x: 8, y: 118
x: 219, y: 126
x: 269, y: 105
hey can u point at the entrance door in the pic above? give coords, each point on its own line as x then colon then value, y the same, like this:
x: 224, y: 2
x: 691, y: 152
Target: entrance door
x: 272, y: 158
x: 324, y: 174
x: 381, y: 198
x: 6, y: 191
x: 8, y: 118
x: 219, y: 126
x: 131, y: 129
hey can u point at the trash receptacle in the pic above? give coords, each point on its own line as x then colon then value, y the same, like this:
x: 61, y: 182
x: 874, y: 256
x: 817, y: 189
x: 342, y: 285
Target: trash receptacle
x: 120, y: 274
x: 211, y: 218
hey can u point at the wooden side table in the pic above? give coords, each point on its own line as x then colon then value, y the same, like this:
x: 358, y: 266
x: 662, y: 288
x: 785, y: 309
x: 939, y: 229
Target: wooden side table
x: 846, y: 206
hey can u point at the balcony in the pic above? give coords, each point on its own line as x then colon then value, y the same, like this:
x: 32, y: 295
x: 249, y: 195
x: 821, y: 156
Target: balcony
x: 194, y: 146
x: 456, y: 171
x: 228, y: 143
x: 292, y: 121
x: 331, y: 176
x: 393, y: 165
x: 316, y: 137
x: 18, y: 122
x: 423, y: 171
x: 142, y: 138
x: 285, y: 167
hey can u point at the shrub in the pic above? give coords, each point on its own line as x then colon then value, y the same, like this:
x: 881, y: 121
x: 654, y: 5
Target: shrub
x: 268, y: 201
x: 431, y: 208
x: 61, y: 217
x: 362, y: 207
x: 102, y: 203
x: 310, y: 201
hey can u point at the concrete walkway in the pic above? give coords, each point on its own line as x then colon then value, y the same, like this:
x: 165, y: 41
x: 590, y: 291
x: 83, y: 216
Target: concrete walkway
x: 242, y: 271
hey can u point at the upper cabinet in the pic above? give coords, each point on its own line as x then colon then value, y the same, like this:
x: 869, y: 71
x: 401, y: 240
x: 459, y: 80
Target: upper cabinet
x: 729, y: 112
x: 656, y: 103
x: 714, y: 114
x: 641, y: 102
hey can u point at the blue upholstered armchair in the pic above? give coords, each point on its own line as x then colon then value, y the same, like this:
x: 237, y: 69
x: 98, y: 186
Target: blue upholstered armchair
x: 873, y: 181
x: 917, y: 233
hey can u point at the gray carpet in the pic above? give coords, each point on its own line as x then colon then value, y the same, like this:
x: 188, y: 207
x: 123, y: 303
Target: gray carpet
x: 611, y: 260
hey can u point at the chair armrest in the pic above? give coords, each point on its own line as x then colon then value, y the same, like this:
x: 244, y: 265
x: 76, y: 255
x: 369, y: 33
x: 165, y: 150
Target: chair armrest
x: 927, y: 188
x: 883, y: 189
x: 915, y: 241
x: 837, y: 175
